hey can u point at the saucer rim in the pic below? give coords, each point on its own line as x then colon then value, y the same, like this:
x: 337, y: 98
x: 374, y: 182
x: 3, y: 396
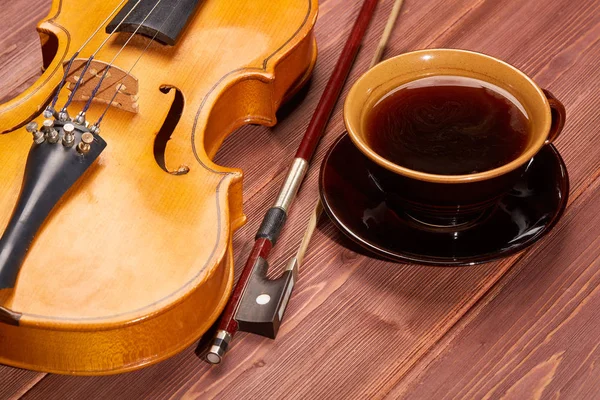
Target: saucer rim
x: 442, y: 261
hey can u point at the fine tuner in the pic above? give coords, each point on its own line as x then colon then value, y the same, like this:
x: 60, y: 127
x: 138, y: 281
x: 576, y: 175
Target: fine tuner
x: 53, y: 131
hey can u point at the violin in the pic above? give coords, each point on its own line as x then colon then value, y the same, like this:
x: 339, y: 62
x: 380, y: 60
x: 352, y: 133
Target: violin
x: 116, y: 247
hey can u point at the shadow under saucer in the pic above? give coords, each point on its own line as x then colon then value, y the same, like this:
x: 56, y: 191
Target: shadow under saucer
x: 357, y: 205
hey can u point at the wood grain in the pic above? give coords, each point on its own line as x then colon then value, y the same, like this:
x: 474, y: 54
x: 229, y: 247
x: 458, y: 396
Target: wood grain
x: 358, y: 327
x: 20, y: 55
x: 532, y: 336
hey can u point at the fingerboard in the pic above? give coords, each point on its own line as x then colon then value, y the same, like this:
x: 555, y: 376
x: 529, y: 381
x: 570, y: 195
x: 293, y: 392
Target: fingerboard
x: 163, y: 23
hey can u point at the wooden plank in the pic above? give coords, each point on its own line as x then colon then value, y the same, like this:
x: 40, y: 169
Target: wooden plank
x: 15, y: 382
x: 574, y: 249
x: 356, y: 326
x: 20, y: 55
x: 536, y: 334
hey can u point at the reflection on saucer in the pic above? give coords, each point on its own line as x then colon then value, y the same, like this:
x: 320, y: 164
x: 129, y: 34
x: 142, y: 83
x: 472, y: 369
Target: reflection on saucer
x: 359, y: 207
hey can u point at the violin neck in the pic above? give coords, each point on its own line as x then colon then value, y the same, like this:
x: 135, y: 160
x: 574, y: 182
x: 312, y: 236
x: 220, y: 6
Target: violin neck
x: 163, y: 21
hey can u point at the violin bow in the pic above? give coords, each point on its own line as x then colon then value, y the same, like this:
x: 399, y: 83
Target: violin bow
x: 257, y: 303
x: 318, y: 210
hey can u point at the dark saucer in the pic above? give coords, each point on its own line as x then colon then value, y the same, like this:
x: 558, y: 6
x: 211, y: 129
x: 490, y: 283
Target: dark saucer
x: 354, y: 201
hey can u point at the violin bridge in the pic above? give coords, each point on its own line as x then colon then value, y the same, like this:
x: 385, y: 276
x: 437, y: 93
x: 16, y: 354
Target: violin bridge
x: 116, y: 79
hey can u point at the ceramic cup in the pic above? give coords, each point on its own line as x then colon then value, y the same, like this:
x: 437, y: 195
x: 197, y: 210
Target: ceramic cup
x: 451, y: 200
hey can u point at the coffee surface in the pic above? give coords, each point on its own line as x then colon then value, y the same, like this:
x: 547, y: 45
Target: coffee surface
x: 448, y: 126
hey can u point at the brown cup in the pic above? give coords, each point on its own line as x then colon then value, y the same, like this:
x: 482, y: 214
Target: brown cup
x: 451, y: 200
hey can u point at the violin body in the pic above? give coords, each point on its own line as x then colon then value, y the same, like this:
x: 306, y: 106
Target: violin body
x: 134, y: 263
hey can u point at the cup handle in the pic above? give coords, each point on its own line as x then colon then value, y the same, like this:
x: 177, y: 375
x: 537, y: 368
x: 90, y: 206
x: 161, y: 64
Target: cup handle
x: 559, y: 114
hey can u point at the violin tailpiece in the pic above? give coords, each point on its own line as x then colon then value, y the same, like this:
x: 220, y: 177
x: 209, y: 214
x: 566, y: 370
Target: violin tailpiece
x: 61, y: 153
x: 9, y: 317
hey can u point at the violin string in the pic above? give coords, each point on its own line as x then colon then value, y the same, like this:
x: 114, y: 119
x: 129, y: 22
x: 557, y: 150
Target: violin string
x: 97, y: 124
x: 99, y: 84
x: 89, y: 61
x: 70, y: 64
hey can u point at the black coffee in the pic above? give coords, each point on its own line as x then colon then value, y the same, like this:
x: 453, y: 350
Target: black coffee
x: 448, y: 125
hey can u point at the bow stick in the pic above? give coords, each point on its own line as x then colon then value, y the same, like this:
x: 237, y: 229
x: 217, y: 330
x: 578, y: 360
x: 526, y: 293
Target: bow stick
x: 316, y: 213
x: 257, y: 304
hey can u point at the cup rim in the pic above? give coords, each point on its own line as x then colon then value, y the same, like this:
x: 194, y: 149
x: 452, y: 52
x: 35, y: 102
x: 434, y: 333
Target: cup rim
x: 527, y: 155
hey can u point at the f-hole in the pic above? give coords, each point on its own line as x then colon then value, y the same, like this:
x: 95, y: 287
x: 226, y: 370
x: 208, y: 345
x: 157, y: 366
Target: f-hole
x: 166, y: 130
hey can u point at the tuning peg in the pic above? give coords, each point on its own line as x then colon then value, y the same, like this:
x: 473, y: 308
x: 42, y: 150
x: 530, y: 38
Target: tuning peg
x: 69, y: 137
x: 86, y: 140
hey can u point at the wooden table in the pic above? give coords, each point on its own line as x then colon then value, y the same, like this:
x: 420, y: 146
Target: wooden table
x: 357, y: 327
